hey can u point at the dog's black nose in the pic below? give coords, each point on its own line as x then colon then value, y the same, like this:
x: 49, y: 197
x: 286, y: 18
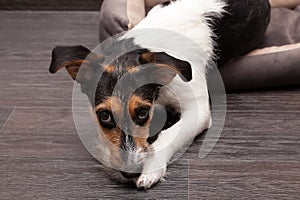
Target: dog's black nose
x: 130, y: 175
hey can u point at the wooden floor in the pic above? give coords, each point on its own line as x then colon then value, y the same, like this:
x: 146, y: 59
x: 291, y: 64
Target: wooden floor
x: 41, y: 155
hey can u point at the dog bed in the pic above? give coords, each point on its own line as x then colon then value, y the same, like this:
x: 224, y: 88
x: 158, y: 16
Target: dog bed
x: 275, y: 63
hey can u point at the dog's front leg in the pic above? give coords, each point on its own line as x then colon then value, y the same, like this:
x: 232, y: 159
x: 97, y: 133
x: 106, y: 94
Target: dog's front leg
x: 194, y: 120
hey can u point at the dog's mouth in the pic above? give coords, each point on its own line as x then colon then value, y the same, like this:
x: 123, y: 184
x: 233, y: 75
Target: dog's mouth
x: 129, y: 175
x: 132, y: 171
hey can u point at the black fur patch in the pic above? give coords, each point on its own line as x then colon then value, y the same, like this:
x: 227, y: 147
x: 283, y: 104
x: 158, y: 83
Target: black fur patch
x: 241, y: 29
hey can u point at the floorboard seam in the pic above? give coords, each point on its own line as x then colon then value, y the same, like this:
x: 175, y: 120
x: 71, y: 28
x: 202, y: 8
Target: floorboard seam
x: 8, y: 118
x: 188, y: 179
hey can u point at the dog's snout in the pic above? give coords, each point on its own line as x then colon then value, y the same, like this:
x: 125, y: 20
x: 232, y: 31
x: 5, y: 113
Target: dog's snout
x: 127, y: 142
x: 130, y: 175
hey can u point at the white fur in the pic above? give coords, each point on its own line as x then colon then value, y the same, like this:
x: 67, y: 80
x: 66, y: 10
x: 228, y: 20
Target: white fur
x: 186, y: 17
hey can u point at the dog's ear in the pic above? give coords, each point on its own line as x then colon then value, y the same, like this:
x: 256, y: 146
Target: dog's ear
x: 70, y: 57
x: 168, y: 66
x: 161, y: 74
x: 75, y: 58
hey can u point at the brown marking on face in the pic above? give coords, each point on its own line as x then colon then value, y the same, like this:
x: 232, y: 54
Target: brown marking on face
x: 136, y: 102
x: 113, y: 136
x: 132, y: 69
x: 140, y: 133
x: 148, y: 57
x: 114, y: 140
x: 109, y: 68
x: 112, y: 104
x: 140, y: 138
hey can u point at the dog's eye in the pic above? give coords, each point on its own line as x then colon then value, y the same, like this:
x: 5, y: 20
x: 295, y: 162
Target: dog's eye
x: 105, y: 116
x: 143, y: 113
x: 106, y: 119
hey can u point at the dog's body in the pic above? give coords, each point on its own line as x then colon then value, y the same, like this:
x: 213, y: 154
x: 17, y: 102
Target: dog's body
x: 126, y: 113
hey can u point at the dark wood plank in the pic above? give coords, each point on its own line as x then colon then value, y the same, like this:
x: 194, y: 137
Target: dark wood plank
x: 77, y: 178
x: 24, y: 40
x: 41, y: 132
x: 26, y: 54
x: 35, y: 87
x: 50, y: 5
x: 241, y: 179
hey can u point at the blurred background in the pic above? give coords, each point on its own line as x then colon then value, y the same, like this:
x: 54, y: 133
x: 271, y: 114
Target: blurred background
x: 50, y: 4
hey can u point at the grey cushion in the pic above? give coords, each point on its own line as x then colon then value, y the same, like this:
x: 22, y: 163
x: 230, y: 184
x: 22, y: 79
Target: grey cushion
x: 113, y: 18
x: 269, y: 67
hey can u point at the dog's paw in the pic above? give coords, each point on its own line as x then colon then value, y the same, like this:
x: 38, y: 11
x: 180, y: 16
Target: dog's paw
x: 146, y: 180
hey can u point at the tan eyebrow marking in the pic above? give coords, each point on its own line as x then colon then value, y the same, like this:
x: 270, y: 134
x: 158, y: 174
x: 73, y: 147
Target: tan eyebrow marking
x: 148, y: 57
x: 142, y: 141
x: 111, y: 104
x: 135, y: 102
x: 109, y: 68
x: 132, y: 69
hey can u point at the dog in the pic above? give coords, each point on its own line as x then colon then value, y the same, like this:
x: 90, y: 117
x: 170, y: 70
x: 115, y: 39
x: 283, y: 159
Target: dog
x: 126, y: 113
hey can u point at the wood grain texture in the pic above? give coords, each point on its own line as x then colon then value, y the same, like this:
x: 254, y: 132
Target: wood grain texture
x: 50, y: 5
x: 243, y: 179
x: 41, y: 155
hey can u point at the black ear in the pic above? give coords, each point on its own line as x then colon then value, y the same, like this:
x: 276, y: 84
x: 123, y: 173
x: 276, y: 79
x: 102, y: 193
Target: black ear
x: 182, y: 68
x: 70, y: 57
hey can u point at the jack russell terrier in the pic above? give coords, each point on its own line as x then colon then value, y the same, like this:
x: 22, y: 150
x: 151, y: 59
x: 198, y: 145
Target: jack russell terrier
x: 126, y: 114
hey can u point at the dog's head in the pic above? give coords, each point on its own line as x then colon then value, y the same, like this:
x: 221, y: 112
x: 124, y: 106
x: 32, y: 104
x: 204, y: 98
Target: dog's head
x: 125, y: 111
